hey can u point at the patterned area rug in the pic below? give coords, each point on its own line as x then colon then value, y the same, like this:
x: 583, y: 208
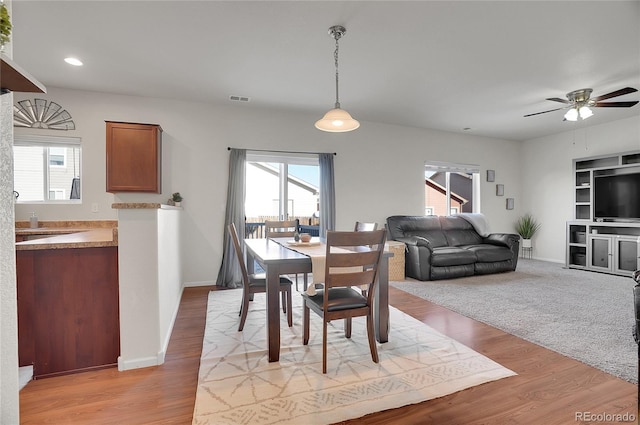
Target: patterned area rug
x: 237, y: 384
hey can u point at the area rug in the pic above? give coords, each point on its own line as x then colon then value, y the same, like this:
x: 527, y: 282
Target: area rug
x: 583, y: 315
x: 237, y: 384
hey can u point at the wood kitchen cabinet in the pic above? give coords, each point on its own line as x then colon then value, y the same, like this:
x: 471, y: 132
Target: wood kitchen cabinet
x: 134, y: 157
x: 68, y: 309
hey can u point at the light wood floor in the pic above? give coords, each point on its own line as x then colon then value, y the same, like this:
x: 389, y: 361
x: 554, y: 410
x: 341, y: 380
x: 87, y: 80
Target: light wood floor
x: 549, y: 389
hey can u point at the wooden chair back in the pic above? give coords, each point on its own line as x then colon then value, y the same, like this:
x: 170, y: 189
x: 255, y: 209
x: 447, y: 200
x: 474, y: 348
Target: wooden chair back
x: 365, y: 227
x: 239, y: 254
x: 280, y: 229
x: 358, y: 266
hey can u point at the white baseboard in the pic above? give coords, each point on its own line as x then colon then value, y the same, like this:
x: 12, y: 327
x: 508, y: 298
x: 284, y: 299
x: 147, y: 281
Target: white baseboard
x: 139, y: 363
x: 25, y: 374
x: 203, y: 283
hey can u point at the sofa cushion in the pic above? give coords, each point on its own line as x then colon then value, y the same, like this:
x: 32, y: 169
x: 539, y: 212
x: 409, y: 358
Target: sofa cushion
x: 452, y: 256
x: 487, y: 253
x: 427, y: 227
x: 451, y: 272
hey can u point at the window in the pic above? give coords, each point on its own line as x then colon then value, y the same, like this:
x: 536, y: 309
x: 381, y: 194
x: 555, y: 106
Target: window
x: 47, y: 168
x: 281, y: 186
x: 57, y: 156
x: 451, y: 188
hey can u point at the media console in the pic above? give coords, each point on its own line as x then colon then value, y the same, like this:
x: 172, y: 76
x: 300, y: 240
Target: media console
x: 595, y: 244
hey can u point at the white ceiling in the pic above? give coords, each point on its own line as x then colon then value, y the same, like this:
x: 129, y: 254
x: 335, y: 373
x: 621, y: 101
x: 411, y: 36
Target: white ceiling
x: 444, y: 65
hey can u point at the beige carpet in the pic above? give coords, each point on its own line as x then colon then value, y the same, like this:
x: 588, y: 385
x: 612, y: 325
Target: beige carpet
x: 237, y: 384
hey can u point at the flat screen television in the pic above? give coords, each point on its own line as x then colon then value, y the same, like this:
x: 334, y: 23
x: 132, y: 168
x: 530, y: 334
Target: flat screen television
x: 617, y: 197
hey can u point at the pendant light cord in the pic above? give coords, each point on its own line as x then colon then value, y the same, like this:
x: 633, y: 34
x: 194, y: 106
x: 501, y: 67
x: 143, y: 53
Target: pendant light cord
x: 336, y: 35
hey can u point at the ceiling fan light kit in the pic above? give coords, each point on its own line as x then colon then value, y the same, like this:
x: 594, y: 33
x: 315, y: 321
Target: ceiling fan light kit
x: 580, y: 103
x: 337, y: 120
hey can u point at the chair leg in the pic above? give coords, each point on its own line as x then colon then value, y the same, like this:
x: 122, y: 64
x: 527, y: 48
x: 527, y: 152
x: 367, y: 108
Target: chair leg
x: 289, y: 307
x: 347, y: 327
x: 324, y: 346
x: 284, y: 301
x: 296, y: 282
x: 305, y: 282
x: 372, y: 339
x: 305, y: 322
x: 243, y: 311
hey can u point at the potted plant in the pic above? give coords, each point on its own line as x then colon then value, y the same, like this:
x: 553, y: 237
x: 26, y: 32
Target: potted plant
x: 176, y: 198
x: 5, y: 25
x: 526, y: 227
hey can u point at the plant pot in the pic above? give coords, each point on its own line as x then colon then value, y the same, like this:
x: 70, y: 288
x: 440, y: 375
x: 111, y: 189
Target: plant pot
x: 526, y: 243
x: 177, y: 203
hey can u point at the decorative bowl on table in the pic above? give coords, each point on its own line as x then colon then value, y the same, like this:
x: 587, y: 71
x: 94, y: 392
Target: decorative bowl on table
x: 305, y: 237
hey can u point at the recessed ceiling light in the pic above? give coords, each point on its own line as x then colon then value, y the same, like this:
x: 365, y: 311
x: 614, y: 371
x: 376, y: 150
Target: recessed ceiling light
x: 73, y: 61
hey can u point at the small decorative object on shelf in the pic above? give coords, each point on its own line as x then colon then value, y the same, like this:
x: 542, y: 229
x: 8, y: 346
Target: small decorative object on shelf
x: 177, y: 199
x: 499, y: 190
x: 491, y: 175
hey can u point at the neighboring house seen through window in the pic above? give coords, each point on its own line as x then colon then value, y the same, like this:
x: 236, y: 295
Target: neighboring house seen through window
x: 451, y: 188
x: 47, y: 168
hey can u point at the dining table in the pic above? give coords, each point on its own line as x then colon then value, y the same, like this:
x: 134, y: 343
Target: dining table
x: 277, y: 258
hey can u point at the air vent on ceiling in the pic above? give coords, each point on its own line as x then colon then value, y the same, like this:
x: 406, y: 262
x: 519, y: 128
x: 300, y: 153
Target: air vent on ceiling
x: 239, y: 98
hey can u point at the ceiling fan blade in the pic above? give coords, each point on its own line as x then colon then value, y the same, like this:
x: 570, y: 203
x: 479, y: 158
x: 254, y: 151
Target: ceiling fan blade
x: 544, y: 112
x: 557, y: 99
x: 616, y: 93
x: 616, y: 104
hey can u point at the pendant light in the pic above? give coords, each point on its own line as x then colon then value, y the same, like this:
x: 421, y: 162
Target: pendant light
x: 337, y: 120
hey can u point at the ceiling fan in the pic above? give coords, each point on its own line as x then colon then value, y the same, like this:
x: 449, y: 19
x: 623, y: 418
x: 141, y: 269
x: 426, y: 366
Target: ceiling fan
x: 579, y: 103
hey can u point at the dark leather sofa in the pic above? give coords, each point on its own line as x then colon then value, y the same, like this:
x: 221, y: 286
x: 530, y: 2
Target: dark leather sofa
x: 449, y: 247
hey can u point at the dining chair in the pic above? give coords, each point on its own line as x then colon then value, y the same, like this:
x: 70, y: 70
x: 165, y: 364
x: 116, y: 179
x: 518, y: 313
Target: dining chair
x: 352, y: 259
x: 284, y: 229
x: 281, y: 229
x: 257, y: 283
x: 365, y: 227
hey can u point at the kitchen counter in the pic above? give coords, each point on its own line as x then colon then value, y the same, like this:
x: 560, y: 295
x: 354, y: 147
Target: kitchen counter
x: 65, y: 234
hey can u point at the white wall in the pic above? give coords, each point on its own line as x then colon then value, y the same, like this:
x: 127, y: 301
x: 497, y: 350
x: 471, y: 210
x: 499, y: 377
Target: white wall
x: 9, y: 406
x: 9, y: 400
x: 150, y: 285
x: 547, y: 175
x: 195, y: 163
x: 169, y: 274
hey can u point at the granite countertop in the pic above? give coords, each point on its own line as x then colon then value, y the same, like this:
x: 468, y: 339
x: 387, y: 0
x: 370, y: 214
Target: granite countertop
x: 61, y: 235
x: 143, y: 206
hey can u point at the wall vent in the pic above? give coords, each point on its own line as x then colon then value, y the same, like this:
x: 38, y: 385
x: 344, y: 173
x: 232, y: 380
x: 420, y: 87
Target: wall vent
x: 239, y: 98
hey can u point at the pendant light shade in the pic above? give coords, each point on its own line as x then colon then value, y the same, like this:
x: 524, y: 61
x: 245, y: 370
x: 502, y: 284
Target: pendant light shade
x: 337, y: 120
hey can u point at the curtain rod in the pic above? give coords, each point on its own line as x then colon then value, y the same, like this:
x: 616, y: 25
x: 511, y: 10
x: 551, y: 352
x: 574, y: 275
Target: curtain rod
x: 268, y: 150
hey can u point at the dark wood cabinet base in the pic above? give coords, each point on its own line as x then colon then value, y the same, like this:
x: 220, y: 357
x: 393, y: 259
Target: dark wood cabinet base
x: 68, y: 309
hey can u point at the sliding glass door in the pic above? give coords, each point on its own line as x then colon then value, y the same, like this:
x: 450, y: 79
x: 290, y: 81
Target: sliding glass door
x: 282, y: 187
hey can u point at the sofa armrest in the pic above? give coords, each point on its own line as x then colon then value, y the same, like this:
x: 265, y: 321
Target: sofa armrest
x: 509, y: 240
x: 418, y: 252
x: 415, y: 241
